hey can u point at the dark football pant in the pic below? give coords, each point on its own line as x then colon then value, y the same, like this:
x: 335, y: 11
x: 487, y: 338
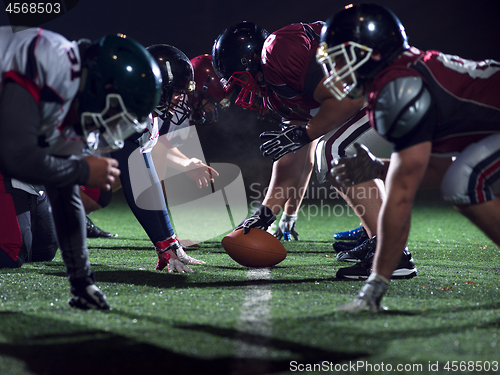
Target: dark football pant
x: 27, y: 231
x: 156, y: 223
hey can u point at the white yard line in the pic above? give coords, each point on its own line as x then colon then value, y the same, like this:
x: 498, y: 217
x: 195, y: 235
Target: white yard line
x: 255, y: 318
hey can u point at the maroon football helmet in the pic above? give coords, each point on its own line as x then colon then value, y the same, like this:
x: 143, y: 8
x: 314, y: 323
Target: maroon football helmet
x: 209, y: 95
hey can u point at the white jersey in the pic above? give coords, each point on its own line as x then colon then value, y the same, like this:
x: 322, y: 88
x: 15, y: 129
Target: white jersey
x: 48, y: 66
x: 174, y: 137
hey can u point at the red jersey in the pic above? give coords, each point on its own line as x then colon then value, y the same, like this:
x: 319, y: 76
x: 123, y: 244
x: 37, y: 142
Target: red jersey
x: 291, y: 71
x: 465, y: 99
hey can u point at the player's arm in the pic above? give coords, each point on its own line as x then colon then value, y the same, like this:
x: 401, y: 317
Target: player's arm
x: 406, y: 170
x: 20, y: 155
x: 332, y: 112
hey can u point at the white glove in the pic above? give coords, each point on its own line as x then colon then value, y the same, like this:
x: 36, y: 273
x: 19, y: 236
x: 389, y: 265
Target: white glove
x: 369, y: 296
x: 286, y: 228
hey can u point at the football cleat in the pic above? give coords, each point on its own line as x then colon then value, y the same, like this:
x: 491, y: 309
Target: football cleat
x: 359, y: 252
x: 95, y: 232
x: 351, y: 235
x: 361, y: 271
x: 343, y: 246
x: 89, y: 298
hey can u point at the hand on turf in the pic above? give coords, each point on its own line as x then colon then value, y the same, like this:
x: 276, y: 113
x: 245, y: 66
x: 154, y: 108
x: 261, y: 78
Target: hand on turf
x: 184, y: 258
x: 369, y: 296
x: 170, y: 260
x: 286, y: 228
x: 362, y: 167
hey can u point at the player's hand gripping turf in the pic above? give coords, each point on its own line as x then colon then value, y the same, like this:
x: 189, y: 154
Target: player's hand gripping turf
x: 171, y: 254
x: 362, y: 167
x: 282, y: 142
x: 286, y: 229
x: 261, y: 219
x: 369, y: 296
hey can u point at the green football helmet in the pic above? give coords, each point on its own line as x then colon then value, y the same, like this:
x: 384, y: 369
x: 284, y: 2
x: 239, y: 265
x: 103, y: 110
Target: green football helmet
x: 121, y: 86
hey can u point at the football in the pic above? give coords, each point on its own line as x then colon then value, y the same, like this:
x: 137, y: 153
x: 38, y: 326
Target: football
x: 257, y: 248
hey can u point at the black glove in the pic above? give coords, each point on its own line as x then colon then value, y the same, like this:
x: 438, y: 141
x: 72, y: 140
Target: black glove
x: 261, y: 219
x: 282, y: 142
x: 362, y: 167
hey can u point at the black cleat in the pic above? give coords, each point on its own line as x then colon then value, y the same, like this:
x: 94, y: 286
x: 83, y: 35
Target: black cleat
x: 359, y: 252
x: 89, y: 298
x: 361, y: 271
x: 95, y: 232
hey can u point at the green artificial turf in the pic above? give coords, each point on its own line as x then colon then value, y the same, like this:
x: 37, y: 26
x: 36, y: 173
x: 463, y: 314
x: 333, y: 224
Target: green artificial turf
x: 226, y: 319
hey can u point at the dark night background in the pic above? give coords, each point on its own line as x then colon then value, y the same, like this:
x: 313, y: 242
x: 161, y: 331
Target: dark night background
x: 469, y: 28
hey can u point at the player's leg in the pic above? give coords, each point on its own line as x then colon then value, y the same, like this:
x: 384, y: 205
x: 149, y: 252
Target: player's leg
x: 485, y: 216
x: 472, y: 184
x: 156, y: 223
x: 288, y: 173
x: 94, y: 199
x: 69, y: 220
x: 287, y: 224
x: 15, y: 225
x: 45, y: 245
x: 365, y: 199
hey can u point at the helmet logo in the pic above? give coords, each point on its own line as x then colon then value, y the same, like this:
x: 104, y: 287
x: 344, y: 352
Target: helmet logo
x: 169, y: 71
x: 244, y: 62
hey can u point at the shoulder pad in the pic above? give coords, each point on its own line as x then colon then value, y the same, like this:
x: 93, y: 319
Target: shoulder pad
x: 400, y: 106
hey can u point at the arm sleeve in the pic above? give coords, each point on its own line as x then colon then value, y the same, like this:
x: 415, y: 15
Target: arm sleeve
x: 21, y: 156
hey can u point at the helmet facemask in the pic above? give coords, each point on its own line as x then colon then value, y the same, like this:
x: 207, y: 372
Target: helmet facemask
x: 174, y: 105
x: 251, y: 93
x: 340, y: 64
x: 105, y: 131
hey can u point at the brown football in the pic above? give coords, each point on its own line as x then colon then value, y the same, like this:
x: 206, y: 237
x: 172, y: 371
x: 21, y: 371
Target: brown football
x: 257, y: 248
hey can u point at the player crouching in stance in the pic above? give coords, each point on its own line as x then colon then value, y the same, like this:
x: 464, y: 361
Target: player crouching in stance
x: 423, y: 102
x: 57, y: 98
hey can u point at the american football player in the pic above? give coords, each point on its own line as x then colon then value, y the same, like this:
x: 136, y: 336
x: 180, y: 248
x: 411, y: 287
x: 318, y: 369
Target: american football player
x: 278, y: 71
x: 57, y: 98
x: 423, y: 102
x: 171, y: 115
x: 209, y: 96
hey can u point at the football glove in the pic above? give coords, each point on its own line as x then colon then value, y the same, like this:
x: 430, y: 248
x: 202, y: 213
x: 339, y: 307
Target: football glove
x: 369, y: 296
x: 261, y: 219
x: 88, y: 298
x: 286, y: 228
x: 362, y: 167
x: 171, y: 254
x: 280, y: 143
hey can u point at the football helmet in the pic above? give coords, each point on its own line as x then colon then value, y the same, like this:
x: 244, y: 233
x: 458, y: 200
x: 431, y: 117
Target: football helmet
x: 178, y: 83
x: 209, y: 95
x: 120, y: 86
x: 236, y: 60
x: 356, y: 44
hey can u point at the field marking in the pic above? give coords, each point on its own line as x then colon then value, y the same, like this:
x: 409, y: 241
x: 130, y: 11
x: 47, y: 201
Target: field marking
x: 254, y: 319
